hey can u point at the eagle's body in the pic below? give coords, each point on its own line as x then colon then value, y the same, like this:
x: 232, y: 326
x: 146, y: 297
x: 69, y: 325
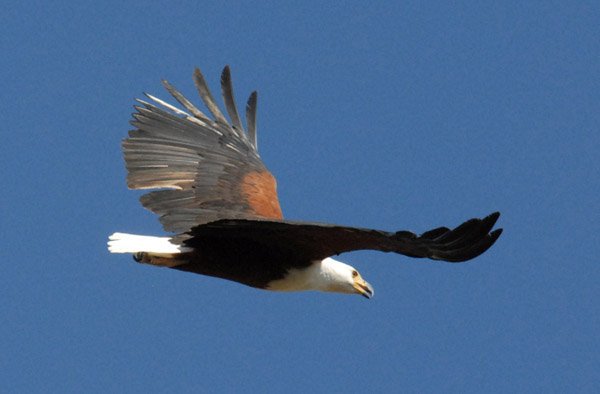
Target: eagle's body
x: 223, y: 202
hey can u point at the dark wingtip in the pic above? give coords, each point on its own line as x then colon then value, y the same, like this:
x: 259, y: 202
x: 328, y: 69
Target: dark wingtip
x: 489, y: 221
x: 493, y: 216
x: 466, y: 241
x: 494, y: 235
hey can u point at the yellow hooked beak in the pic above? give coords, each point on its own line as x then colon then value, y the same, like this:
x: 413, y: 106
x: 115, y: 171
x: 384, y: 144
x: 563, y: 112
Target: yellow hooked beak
x: 363, y: 287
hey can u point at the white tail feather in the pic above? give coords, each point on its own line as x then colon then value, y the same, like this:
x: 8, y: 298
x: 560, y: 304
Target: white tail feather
x: 130, y: 243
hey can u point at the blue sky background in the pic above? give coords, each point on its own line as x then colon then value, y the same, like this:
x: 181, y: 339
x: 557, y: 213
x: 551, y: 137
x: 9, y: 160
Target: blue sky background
x: 407, y: 116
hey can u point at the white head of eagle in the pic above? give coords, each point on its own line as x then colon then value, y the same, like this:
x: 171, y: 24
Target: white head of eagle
x: 217, y: 195
x: 327, y: 275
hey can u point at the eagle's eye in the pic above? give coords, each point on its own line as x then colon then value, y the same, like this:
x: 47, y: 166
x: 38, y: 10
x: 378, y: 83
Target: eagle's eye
x: 354, y: 273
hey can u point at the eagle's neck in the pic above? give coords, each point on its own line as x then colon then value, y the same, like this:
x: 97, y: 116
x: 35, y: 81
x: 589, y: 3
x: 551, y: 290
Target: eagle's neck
x: 325, y: 275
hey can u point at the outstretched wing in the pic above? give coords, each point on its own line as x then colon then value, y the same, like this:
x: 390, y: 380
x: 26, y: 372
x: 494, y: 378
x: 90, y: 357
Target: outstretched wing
x: 211, y: 166
x: 315, y: 241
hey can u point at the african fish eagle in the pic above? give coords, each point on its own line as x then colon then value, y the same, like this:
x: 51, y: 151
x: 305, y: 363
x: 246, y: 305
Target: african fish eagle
x: 219, y: 197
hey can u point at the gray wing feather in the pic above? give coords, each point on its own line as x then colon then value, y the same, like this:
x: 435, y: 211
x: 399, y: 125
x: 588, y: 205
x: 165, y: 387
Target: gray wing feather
x: 251, y: 119
x: 185, y: 102
x: 229, y: 99
x: 208, y: 98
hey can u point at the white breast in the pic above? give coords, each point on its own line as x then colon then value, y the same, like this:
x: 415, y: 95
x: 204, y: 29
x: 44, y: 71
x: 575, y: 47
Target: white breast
x: 325, y: 275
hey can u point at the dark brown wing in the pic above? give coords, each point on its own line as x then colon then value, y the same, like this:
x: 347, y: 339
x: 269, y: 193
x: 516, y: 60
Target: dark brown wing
x: 212, y: 167
x: 315, y: 241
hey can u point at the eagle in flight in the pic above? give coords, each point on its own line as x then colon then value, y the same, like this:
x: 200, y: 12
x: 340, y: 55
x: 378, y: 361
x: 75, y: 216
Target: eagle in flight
x: 220, y: 199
